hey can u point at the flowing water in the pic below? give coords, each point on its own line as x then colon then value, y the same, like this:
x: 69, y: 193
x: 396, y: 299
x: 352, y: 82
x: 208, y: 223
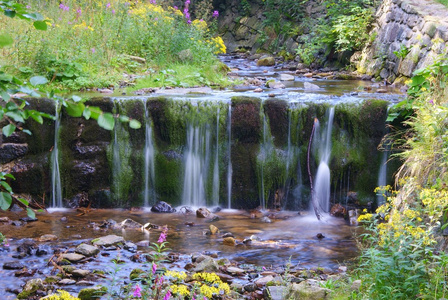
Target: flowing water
x: 56, y: 185
x: 149, y: 170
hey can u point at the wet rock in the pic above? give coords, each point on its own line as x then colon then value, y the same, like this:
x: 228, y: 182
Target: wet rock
x: 310, y: 86
x: 278, y: 85
x: 130, y: 224
x: 213, y: 229
x: 136, y: 274
x: 109, y: 240
x: 52, y: 279
x: 87, y: 250
x: 43, y: 250
x: 80, y: 273
x: 207, y: 265
x: 13, y: 266
x: 85, y: 282
x: 229, y: 241
x: 320, y: 236
x: 66, y: 281
x: 342, y: 269
x: 203, y: 213
x: 30, y: 288
x: 28, y: 219
x: 25, y: 273
x: 286, y: 77
x: 250, y: 287
x: 48, y: 238
x: 308, y: 289
x: 17, y: 223
x: 144, y: 243
x: 265, y: 220
x: 264, y: 280
x: 28, y: 247
x: 225, y: 278
x: 162, y: 207
x: 131, y: 247
x: 10, y: 151
x: 4, y: 219
x: 72, y: 257
x: 266, y: 61
x: 235, y: 271
x: 338, y: 210
x: 258, y: 90
x: 93, y: 293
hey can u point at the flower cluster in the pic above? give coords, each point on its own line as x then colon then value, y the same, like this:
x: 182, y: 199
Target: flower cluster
x: 64, y: 7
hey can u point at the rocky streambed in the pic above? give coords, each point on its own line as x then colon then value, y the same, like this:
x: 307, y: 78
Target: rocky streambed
x: 255, y: 252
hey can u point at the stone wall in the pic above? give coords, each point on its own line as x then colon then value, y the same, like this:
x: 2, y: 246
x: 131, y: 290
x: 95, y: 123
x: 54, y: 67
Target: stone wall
x: 418, y: 28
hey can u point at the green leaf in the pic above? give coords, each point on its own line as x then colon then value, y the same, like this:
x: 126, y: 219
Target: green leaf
x: 6, y: 186
x: 75, y: 109
x: 36, y: 80
x: 95, y: 112
x: 5, y: 200
x: 8, y: 129
x: 444, y: 226
x: 27, y: 131
x: 16, y: 116
x: 10, y: 13
x: 5, y: 40
x: 10, y: 176
x: 5, y: 96
x: 417, y: 80
x: 86, y: 113
x: 6, y: 77
x: 76, y: 98
x: 30, y: 213
x: 40, y: 25
x: 24, y: 201
x: 124, y: 119
x: 106, y: 121
x: 134, y: 124
x: 38, y: 118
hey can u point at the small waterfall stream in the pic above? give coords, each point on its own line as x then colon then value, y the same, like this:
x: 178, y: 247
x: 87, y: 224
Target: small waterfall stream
x: 382, y: 177
x: 56, y: 186
x: 149, y: 168
x: 229, y: 165
x: 322, y: 186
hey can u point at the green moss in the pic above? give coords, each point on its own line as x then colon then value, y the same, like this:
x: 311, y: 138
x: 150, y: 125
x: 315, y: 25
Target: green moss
x: 277, y: 113
x: 92, y: 293
x: 136, y: 274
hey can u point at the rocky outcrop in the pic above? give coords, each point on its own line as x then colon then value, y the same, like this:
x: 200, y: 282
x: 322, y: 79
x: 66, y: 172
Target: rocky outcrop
x: 409, y: 35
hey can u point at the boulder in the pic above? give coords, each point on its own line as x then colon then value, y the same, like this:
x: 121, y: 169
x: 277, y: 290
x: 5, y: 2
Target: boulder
x: 229, y: 241
x: 93, y: 293
x: 108, y: 240
x: 275, y: 292
x: 72, y: 257
x: 87, y: 250
x: 308, y: 289
x: 162, y: 207
x: 30, y: 288
x: 203, y: 212
x: 338, y: 210
x: 264, y: 280
x: 213, y: 229
x: 66, y: 281
x: 13, y: 266
x: 266, y: 61
x: 130, y: 224
x: 48, y: 238
x: 286, y: 77
x: 310, y: 86
x: 80, y: 273
x: 356, y: 285
x: 207, y: 265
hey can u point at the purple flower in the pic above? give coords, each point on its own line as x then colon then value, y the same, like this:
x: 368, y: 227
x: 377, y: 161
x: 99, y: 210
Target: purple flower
x: 137, y: 291
x: 28, y: 6
x: 188, y: 21
x: 154, y: 268
x: 264, y: 268
x: 187, y: 15
x: 69, y: 23
x: 152, y: 1
x: 64, y: 7
x: 215, y: 14
x: 155, y: 19
x: 162, y: 237
x: 167, y: 296
x: 431, y: 101
x: 108, y: 5
x: 113, y: 11
x: 201, y: 20
x: 175, y: 7
x: 93, y: 50
x: 78, y: 11
x: 187, y: 2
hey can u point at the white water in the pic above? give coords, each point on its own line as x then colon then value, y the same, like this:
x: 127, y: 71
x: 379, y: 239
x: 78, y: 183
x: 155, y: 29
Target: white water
x: 229, y: 166
x: 116, y: 163
x: 195, y: 156
x: 322, y: 181
x: 150, y: 174
x: 382, y: 177
x: 215, y: 196
x: 56, y: 186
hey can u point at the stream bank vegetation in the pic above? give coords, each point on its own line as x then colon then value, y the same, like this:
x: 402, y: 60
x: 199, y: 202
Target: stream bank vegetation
x: 97, y: 44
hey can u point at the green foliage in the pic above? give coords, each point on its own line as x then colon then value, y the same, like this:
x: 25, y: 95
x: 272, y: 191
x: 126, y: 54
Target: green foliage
x: 444, y: 2
x: 402, y: 52
x: 90, y: 44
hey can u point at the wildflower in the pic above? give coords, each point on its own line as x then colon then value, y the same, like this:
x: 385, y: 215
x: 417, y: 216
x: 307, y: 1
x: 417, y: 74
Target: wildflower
x: 187, y: 2
x: 93, y: 50
x: 156, y: 19
x: 152, y: 1
x: 6, y: 244
x: 162, y: 237
x: 167, y: 296
x: 188, y: 21
x: 108, y: 5
x: 113, y: 11
x: 64, y: 7
x: 175, y: 7
x: 264, y: 268
x: 78, y: 11
x: 215, y: 14
x: 137, y: 291
x: 28, y: 6
x: 154, y: 268
x: 431, y: 102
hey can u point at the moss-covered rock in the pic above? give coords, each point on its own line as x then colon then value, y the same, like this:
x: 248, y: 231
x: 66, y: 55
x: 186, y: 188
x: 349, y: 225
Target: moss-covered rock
x: 92, y: 293
x: 246, y: 123
x: 277, y: 112
x: 136, y: 274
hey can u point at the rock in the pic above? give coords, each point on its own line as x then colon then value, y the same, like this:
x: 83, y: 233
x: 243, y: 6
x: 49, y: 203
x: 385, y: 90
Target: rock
x: 310, y: 86
x: 275, y: 292
x: 87, y: 250
x: 320, y: 236
x: 308, y: 289
x: 130, y: 224
x: 213, y: 229
x: 13, y: 266
x: 235, y: 270
x: 264, y: 280
x: 28, y: 247
x: 356, y: 285
x: 85, y: 282
x: 229, y: 241
x: 258, y: 90
x: 80, y: 273
x: 28, y: 219
x: 30, y: 288
x: 105, y: 91
x: 109, y: 240
x: 131, y: 247
x: 286, y: 77
x: 16, y: 223
x: 278, y: 85
x: 93, y: 293
x: 338, y: 210
x: 265, y: 220
x: 225, y: 277
x: 382, y: 91
x: 43, y: 250
x: 10, y: 152
x: 72, y: 257
x: 4, y: 219
x: 48, y: 238
x: 137, y: 274
x: 250, y: 287
x: 144, y: 243
x: 66, y: 281
x: 203, y: 212
x: 138, y: 59
x: 271, y: 95
x: 309, y: 75
x: 266, y: 61
x: 342, y: 269
x: 162, y: 207
x: 207, y: 265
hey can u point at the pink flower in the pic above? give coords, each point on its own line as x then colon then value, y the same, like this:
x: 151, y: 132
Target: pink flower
x: 167, y: 296
x: 175, y: 7
x: 108, y: 5
x: 152, y: 1
x: 137, y: 291
x: 93, y: 50
x: 78, y: 11
x: 187, y: 2
x: 154, y: 268
x: 113, y: 11
x: 162, y: 236
x: 215, y: 14
x: 28, y: 6
x: 188, y: 21
x: 64, y: 7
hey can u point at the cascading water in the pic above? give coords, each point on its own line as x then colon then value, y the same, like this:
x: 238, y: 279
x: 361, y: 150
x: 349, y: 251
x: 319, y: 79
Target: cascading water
x: 56, y: 186
x: 382, y: 177
x: 149, y: 169
x: 229, y: 165
x: 196, y: 165
x: 215, y: 196
x: 116, y: 164
x: 322, y: 181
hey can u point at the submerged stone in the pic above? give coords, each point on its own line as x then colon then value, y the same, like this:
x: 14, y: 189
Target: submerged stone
x: 109, y: 240
x: 163, y: 207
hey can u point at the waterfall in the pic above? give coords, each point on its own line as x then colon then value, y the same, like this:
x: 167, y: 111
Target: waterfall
x: 322, y: 182
x: 149, y: 171
x: 196, y: 165
x: 382, y: 177
x: 215, y: 196
x: 229, y: 165
x: 56, y: 186
x: 116, y: 163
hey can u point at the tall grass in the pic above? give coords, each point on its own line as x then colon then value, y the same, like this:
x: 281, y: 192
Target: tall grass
x: 89, y: 43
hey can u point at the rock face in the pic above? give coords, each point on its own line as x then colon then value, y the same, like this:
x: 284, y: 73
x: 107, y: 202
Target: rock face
x: 417, y: 31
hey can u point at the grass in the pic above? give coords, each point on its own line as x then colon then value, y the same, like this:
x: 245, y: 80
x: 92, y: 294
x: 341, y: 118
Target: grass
x: 89, y: 43
x: 444, y: 2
